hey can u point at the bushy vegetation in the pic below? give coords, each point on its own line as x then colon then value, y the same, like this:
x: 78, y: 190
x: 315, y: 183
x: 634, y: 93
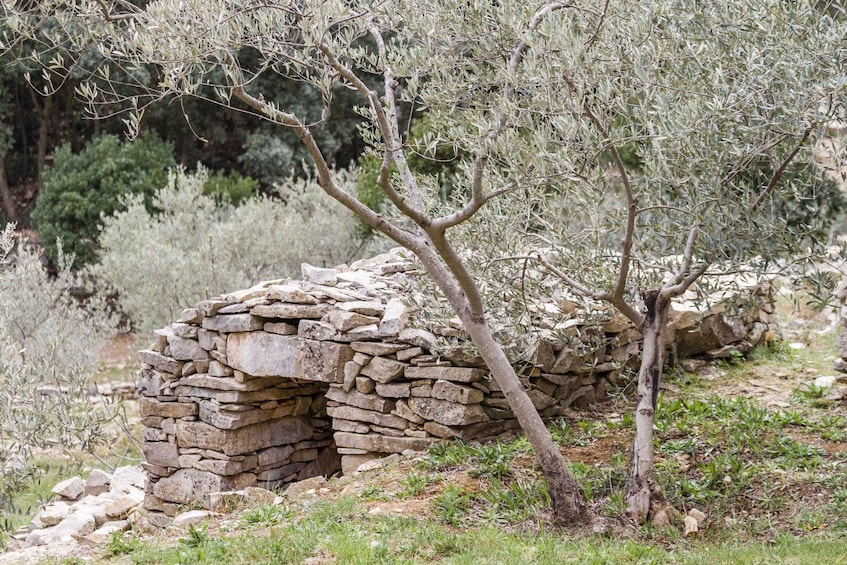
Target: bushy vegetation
x: 195, y: 247
x: 80, y: 188
x: 50, y: 343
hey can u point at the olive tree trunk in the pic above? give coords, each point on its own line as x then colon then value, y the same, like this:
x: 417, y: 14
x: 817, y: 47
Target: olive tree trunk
x: 645, y: 500
x: 567, y: 501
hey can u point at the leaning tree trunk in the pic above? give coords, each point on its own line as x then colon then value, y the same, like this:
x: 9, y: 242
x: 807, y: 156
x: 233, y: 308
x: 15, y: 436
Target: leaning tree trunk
x: 567, y: 501
x: 645, y: 499
x: 566, y: 497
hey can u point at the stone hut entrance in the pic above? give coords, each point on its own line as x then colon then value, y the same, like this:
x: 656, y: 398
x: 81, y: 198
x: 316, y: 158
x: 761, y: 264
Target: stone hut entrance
x: 293, y: 379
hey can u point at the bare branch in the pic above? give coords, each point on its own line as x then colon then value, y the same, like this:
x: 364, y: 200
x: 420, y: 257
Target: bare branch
x: 777, y: 175
x: 392, y: 146
x: 324, y: 176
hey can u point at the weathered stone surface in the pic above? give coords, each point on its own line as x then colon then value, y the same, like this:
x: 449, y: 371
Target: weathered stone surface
x: 127, y: 478
x: 345, y: 321
x: 53, y: 513
x: 351, y: 371
x: 150, y: 382
x: 456, y: 374
x: 540, y: 400
x: 362, y: 333
x: 393, y: 390
x: 402, y: 409
x: 394, y: 319
x: 264, y: 354
x: 191, y: 517
x: 340, y: 425
x: 376, y: 443
x: 446, y: 390
x: 318, y: 330
x: 713, y: 332
x: 161, y: 453
x: 242, y: 440
x: 377, y: 348
x: 120, y: 507
x: 153, y: 407
x: 231, y: 323
x: 281, y: 328
x: 290, y: 293
x: 214, y: 415
x: 217, y: 383
x: 408, y: 354
x: 364, y: 401
x: 183, y: 349
x: 189, y: 485
x: 97, y: 482
x: 283, y: 311
x: 221, y: 467
x: 447, y: 413
x: 366, y: 307
x: 383, y: 370
x: 566, y: 361
x: 274, y: 457
x: 69, y: 489
x: 365, y: 385
x: 190, y: 316
x: 359, y: 415
x: 159, y: 361
x: 421, y: 338
x: 76, y: 524
x: 319, y: 275
x: 351, y: 463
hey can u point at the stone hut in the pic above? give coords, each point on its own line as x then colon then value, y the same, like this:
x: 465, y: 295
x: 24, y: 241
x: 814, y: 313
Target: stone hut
x: 293, y: 379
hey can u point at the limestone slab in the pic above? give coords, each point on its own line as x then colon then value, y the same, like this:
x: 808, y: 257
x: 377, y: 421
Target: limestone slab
x: 153, y: 407
x: 263, y: 354
x: 383, y: 370
x: 455, y: 374
x: 189, y: 485
x: 382, y: 444
x: 447, y: 413
x: 364, y: 401
x: 452, y: 392
x: 359, y: 415
x: 242, y: 440
x: 283, y: 311
x: 231, y: 323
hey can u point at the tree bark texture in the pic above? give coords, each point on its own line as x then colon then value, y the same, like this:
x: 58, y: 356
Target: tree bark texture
x: 8, y: 202
x: 645, y: 500
x: 567, y: 501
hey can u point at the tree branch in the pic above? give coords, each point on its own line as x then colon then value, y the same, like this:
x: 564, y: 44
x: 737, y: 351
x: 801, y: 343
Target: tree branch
x: 478, y: 196
x: 324, y: 176
x: 777, y: 175
x: 392, y: 146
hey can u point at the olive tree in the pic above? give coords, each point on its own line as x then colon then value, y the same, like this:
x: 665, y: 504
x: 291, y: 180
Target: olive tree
x: 544, y: 101
x: 324, y: 43
x: 661, y: 143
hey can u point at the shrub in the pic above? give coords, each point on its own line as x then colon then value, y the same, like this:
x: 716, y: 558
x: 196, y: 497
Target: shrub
x: 50, y: 344
x: 195, y: 248
x: 79, y: 189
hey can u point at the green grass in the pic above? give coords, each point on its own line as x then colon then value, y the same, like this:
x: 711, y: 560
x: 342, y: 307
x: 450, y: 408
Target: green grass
x: 344, y: 532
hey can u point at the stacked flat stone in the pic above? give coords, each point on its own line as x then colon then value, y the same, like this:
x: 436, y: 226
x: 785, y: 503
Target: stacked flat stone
x: 293, y: 379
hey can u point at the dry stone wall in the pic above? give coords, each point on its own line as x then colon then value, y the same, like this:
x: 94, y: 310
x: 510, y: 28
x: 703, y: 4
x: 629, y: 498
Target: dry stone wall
x: 294, y: 379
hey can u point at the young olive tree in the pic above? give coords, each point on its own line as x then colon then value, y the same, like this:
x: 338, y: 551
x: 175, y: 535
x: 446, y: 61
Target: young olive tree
x: 327, y: 43
x: 661, y: 143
